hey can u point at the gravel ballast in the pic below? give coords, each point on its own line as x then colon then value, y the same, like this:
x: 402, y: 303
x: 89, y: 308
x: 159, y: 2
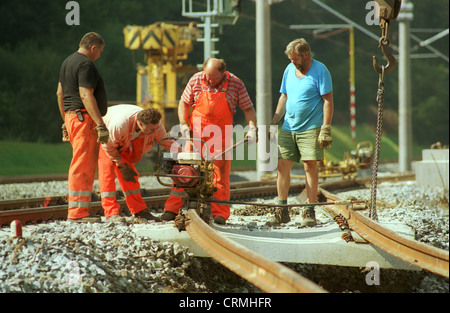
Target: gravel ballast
x: 109, y: 257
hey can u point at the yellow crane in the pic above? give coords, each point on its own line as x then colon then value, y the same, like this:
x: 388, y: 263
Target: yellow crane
x: 166, y: 46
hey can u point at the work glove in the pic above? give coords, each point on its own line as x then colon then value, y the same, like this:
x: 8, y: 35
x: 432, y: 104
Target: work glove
x: 252, y: 135
x: 128, y: 173
x: 65, y: 134
x: 325, y: 138
x: 102, y: 134
x: 185, y: 130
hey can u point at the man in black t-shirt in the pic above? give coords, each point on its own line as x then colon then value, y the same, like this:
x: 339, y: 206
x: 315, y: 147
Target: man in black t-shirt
x: 82, y: 103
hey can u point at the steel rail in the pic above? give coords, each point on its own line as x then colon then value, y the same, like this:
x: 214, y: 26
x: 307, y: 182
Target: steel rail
x: 414, y: 252
x: 26, y: 203
x: 267, y: 275
x: 40, y: 213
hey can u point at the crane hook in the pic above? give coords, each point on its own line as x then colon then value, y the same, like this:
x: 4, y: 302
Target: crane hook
x: 383, y: 44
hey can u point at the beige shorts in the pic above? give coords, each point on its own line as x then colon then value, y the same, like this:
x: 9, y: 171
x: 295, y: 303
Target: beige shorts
x: 302, y: 146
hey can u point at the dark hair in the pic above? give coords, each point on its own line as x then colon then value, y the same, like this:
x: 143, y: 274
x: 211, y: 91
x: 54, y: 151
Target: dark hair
x: 91, y: 39
x: 149, y: 116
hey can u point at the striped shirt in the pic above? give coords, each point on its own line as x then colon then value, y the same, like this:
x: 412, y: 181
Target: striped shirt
x: 236, y: 92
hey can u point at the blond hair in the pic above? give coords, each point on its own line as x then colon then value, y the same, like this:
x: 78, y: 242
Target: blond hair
x: 299, y: 46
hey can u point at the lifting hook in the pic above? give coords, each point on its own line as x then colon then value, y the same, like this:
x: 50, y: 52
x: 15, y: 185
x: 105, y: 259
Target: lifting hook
x: 383, y: 44
x: 388, y: 9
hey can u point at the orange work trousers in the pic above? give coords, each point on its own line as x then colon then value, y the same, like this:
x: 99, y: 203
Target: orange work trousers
x: 83, y: 137
x: 107, y: 173
x: 211, y: 108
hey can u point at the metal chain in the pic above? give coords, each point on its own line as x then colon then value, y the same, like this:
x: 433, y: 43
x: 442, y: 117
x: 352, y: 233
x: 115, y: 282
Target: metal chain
x: 383, y: 44
x: 380, y: 100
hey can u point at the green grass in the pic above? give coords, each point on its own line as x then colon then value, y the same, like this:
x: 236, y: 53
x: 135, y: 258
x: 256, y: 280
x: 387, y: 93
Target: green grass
x: 23, y: 158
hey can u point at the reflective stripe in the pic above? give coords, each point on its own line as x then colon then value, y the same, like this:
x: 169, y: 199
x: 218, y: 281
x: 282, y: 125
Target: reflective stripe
x: 108, y: 194
x: 80, y: 193
x: 79, y: 204
x: 132, y: 192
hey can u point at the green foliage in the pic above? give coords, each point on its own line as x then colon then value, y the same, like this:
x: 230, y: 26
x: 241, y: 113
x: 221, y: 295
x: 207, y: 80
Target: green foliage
x: 35, y: 40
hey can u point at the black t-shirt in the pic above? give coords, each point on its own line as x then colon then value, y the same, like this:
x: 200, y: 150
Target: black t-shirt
x: 78, y: 71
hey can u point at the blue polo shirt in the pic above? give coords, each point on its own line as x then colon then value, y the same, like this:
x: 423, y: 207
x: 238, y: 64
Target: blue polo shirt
x: 304, y: 106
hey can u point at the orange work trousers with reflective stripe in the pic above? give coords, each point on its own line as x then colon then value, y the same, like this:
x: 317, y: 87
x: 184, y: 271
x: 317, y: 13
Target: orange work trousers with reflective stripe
x: 108, y: 171
x: 83, y: 137
x: 211, y: 108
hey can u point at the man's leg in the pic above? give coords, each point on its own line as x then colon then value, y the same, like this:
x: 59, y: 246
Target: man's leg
x: 283, y: 178
x: 312, y: 184
x: 312, y: 180
x: 107, y: 183
x: 83, y: 138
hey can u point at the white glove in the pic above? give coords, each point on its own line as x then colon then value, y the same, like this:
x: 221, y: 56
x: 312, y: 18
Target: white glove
x: 65, y: 134
x: 252, y: 135
x: 185, y: 130
x: 325, y: 138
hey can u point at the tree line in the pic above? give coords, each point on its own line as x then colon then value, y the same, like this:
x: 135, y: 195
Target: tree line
x: 36, y: 39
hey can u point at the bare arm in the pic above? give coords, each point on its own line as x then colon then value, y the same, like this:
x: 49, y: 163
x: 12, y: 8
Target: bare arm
x: 183, y: 111
x: 328, y: 106
x: 60, y: 96
x: 281, y: 103
x: 250, y: 116
x: 90, y: 103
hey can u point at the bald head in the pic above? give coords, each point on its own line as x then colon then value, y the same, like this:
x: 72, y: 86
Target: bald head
x: 214, y: 70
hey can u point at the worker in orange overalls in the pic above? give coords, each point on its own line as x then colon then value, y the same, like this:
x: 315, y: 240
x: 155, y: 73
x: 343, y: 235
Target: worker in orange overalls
x: 133, y: 131
x: 82, y: 103
x: 213, y: 95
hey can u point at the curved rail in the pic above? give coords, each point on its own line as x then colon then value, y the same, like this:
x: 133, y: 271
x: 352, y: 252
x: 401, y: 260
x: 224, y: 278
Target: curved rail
x: 414, y: 252
x: 268, y: 275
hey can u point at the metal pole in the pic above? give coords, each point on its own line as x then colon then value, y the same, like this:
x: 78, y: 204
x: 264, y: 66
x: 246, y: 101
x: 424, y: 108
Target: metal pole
x: 263, y: 77
x: 404, y: 84
x: 207, y: 38
x: 352, y: 85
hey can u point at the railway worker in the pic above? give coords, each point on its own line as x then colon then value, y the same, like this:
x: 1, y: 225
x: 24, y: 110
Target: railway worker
x: 82, y: 103
x: 213, y: 95
x: 306, y: 90
x: 133, y: 131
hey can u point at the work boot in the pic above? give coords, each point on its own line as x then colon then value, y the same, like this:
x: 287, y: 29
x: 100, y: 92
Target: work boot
x: 86, y: 219
x: 219, y: 220
x: 282, y: 215
x: 147, y: 215
x: 116, y: 218
x: 309, y: 217
x: 168, y: 216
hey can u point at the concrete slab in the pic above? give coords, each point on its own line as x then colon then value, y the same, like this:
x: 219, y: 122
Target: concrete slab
x: 433, y: 170
x: 319, y: 245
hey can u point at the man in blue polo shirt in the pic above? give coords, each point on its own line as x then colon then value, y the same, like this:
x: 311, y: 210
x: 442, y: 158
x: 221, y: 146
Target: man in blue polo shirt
x: 307, y: 92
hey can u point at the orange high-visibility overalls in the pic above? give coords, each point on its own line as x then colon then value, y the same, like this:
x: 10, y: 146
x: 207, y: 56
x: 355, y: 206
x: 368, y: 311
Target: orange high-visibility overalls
x: 83, y: 137
x: 211, y: 108
x: 107, y: 171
